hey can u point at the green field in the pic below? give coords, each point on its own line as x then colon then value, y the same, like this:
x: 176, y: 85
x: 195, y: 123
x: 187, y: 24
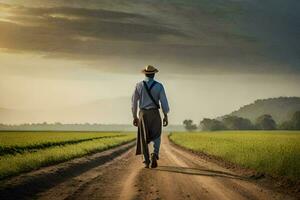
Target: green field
x: 273, y: 152
x: 25, y: 151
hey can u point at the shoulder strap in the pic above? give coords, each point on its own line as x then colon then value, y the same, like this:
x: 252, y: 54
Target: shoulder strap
x: 152, y: 85
x: 149, y: 92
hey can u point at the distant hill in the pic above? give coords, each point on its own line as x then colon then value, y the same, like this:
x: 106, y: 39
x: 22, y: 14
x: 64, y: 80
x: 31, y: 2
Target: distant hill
x: 281, y: 108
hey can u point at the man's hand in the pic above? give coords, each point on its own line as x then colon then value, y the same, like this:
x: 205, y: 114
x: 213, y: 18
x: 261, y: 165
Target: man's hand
x: 135, y: 121
x: 165, y: 120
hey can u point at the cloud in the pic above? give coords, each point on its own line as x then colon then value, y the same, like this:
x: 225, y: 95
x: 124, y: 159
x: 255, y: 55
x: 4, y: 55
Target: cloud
x: 201, y: 36
x: 72, y: 23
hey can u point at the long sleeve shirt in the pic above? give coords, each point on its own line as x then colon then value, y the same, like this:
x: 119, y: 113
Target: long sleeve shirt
x: 141, y: 98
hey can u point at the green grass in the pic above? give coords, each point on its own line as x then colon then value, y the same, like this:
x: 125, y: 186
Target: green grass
x: 272, y: 152
x: 32, y: 139
x: 27, y: 160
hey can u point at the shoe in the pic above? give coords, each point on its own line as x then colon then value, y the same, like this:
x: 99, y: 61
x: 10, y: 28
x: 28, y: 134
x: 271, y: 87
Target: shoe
x: 153, y: 160
x: 147, y: 164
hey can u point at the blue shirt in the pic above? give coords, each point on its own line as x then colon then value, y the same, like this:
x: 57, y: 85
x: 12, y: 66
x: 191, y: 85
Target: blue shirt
x: 141, y: 97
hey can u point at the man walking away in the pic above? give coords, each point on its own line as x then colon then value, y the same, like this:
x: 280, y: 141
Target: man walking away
x: 148, y: 94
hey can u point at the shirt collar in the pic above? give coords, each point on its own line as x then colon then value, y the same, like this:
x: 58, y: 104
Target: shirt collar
x: 148, y: 79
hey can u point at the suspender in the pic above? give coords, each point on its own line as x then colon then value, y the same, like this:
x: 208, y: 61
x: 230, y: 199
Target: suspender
x: 149, y: 92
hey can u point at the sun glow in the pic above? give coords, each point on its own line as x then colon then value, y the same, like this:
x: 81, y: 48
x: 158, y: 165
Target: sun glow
x: 62, y: 16
x: 5, y: 15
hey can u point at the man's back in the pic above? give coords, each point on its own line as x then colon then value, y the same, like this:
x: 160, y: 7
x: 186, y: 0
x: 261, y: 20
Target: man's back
x: 145, y: 102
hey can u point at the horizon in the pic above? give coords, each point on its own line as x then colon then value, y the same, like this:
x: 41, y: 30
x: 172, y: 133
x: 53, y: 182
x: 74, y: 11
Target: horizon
x: 128, y: 124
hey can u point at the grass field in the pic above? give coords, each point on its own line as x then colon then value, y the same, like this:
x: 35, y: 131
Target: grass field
x: 17, y: 142
x: 272, y: 152
x: 25, y: 151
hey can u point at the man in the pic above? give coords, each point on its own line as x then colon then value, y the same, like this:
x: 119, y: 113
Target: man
x: 148, y: 94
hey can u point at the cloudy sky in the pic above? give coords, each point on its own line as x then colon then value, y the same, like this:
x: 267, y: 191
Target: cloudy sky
x: 213, y: 56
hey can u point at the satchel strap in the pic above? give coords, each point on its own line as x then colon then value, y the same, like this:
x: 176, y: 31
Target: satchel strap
x: 152, y: 85
x: 149, y: 92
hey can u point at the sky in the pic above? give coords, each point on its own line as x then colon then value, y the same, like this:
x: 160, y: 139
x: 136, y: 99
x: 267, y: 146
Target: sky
x: 57, y: 56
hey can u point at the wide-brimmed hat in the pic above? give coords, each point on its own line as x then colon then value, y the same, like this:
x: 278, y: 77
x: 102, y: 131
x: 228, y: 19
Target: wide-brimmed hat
x: 149, y: 69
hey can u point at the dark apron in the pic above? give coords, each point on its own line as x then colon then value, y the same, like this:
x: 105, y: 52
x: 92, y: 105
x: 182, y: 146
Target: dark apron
x: 149, y: 128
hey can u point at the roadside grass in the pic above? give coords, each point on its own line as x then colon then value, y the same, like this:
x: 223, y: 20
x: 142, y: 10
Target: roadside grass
x: 13, y: 164
x: 273, y: 152
x: 17, y: 142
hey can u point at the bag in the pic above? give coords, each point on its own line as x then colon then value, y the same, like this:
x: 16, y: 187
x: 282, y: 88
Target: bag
x: 149, y: 93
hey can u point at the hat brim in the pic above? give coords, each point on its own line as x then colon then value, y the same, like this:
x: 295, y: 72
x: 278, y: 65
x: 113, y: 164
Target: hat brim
x: 149, y: 72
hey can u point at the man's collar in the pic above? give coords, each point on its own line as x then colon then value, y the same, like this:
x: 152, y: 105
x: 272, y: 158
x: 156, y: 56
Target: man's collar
x: 149, y: 79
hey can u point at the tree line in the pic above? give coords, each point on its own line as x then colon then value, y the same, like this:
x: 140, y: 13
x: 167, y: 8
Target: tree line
x: 229, y: 122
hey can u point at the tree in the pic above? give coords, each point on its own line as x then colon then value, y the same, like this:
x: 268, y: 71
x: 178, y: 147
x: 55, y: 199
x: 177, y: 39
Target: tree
x: 287, y: 125
x: 211, y: 125
x: 296, y: 120
x: 188, y: 125
x: 265, y: 122
x: 237, y: 123
x: 293, y: 123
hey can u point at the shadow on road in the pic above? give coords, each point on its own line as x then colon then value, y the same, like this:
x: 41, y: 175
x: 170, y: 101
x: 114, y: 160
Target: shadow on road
x: 199, y: 172
x: 32, y: 185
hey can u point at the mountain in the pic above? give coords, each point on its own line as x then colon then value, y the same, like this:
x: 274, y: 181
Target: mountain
x: 281, y: 108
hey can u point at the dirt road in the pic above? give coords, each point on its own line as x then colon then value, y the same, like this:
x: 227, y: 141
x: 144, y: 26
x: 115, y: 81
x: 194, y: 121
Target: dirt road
x: 180, y: 175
